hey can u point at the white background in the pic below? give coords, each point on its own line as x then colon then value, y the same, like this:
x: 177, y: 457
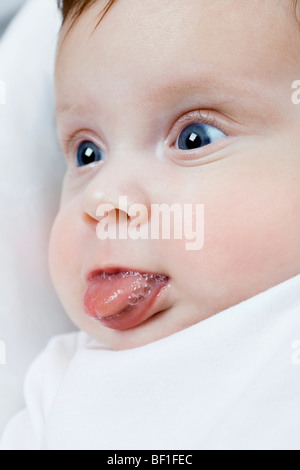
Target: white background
x: 7, y: 10
x: 32, y: 169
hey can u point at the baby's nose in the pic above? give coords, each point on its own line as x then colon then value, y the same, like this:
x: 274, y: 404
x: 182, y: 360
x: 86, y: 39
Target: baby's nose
x: 127, y: 199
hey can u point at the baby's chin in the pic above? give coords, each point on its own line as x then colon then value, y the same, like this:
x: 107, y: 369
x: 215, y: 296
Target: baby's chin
x: 159, y: 326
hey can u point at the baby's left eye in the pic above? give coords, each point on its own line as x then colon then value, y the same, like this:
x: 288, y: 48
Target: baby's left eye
x: 198, y: 135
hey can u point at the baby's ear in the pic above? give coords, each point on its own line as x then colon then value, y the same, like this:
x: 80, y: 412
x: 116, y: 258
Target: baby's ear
x: 30, y: 179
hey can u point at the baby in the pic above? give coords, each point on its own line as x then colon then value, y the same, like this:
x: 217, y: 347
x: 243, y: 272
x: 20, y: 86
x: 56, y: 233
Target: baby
x: 187, y: 103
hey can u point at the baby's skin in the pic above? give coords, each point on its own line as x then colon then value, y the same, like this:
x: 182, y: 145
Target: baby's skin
x: 185, y: 102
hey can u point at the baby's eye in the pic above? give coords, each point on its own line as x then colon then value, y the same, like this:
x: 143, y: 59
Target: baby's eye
x: 88, y: 153
x: 198, y: 135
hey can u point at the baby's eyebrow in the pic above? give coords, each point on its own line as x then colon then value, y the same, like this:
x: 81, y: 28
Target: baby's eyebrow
x: 153, y: 95
x: 67, y: 108
x: 208, y: 89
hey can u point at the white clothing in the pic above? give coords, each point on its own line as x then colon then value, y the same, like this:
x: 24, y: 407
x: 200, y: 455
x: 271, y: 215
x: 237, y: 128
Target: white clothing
x: 230, y: 382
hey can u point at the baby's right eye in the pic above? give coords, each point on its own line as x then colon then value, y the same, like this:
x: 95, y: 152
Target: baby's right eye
x: 88, y: 153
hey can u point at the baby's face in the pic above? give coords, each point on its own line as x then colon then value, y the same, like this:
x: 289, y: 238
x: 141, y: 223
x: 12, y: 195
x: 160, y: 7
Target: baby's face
x: 179, y: 102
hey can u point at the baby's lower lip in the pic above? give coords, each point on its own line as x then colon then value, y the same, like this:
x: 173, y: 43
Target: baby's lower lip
x: 123, y: 300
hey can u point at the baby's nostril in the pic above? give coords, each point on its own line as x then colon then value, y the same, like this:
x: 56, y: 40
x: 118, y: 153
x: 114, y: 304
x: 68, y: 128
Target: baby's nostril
x: 88, y: 219
x: 121, y: 216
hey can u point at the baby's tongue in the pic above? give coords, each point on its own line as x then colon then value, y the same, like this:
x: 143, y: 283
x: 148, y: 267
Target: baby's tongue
x: 110, y: 294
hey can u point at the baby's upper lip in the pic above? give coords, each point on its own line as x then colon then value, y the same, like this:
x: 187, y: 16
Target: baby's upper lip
x: 111, y: 270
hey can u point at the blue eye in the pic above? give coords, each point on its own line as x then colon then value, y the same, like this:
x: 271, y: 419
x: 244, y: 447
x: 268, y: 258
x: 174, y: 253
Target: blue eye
x: 88, y: 153
x: 198, y: 135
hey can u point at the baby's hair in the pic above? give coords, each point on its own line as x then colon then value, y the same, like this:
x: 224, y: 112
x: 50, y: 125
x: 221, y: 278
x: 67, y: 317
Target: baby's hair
x: 73, y: 9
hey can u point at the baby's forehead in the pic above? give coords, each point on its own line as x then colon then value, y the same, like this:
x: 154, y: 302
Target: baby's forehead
x: 147, y: 30
x: 150, y: 52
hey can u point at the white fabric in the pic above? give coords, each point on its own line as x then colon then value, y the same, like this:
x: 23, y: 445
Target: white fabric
x: 31, y: 173
x: 230, y: 382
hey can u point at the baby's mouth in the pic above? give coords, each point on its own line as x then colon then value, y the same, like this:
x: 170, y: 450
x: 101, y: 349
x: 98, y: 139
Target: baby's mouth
x: 125, y: 299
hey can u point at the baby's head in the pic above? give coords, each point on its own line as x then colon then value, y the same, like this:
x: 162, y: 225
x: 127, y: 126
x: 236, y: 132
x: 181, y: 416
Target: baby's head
x: 175, y: 102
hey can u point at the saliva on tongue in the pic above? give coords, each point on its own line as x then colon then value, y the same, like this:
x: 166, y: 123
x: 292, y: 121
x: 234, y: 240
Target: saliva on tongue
x: 110, y: 295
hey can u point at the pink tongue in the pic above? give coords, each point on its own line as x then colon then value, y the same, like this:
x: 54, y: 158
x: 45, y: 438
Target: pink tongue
x: 109, y: 295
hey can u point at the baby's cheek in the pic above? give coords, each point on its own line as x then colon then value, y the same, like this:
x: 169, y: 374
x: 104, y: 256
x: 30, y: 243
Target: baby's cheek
x: 249, y: 246
x: 64, y: 261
